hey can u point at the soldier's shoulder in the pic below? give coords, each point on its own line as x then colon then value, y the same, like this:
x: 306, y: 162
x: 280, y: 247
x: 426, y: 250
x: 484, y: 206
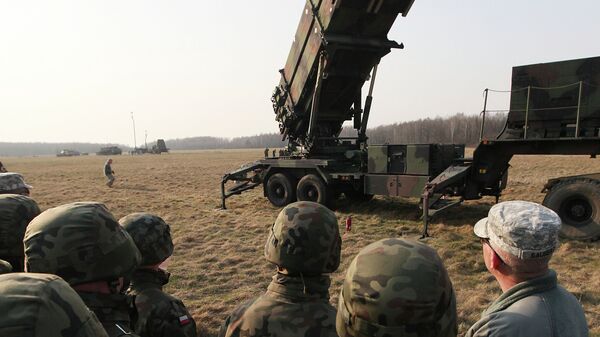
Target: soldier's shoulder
x: 159, y: 303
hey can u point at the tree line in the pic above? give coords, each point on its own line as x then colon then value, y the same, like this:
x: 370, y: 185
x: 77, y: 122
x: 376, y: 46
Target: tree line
x: 459, y: 128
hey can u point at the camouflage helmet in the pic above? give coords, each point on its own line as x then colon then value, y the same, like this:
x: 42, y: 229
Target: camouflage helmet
x: 16, y: 211
x: 42, y: 305
x: 152, y: 236
x: 11, y: 181
x: 80, y: 242
x: 5, y: 267
x: 305, y: 238
x: 396, y: 287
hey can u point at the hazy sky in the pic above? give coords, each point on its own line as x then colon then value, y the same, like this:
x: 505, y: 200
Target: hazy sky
x: 73, y: 70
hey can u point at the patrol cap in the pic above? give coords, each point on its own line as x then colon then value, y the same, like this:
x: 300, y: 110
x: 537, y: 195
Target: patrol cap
x: 11, y: 181
x: 521, y: 228
x: 43, y: 305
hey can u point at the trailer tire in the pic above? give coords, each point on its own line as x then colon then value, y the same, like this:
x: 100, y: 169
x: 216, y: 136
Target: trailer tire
x: 313, y: 188
x: 577, y: 202
x: 279, y: 190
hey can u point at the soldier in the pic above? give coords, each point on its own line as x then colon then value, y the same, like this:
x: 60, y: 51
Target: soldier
x: 274, y: 153
x: 13, y: 183
x: 42, y: 305
x: 2, y: 168
x: 5, y: 267
x: 109, y: 173
x: 84, y: 244
x: 266, y: 152
x: 397, y: 287
x: 16, y: 211
x: 518, y: 239
x: 304, y: 243
x: 158, y: 314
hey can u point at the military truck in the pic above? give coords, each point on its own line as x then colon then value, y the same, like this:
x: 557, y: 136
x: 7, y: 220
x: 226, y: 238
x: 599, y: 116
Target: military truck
x: 159, y: 147
x: 109, y: 151
x: 337, y: 49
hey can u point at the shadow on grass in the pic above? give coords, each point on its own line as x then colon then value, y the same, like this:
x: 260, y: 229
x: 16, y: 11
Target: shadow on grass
x: 134, y: 188
x: 407, y: 209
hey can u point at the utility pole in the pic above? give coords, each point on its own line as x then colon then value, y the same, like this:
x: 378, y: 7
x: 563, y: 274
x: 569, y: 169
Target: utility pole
x: 146, y: 139
x: 134, y: 141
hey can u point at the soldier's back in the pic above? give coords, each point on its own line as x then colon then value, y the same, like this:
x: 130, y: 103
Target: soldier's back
x: 271, y: 315
x: 160, y: 315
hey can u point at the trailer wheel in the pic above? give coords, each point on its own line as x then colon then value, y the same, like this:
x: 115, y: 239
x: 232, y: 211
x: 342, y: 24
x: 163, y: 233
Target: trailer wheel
x: 577, y: 202
x: 312, y: 188
x: 280, y: 190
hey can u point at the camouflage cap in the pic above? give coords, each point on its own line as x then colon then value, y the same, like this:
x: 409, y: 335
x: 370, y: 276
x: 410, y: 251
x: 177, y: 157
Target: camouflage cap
x: 11, y: 181
x: 16, y: 211
x: 521, y: 228
x: 80, y: 242
x: 397, y: 287
x: 5, y: 267
x: 42, y: 305
x: 152, y: 236
x: 305, y: 238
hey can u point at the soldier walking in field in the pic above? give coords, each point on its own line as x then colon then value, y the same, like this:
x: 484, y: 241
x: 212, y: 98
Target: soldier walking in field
x: 266, y: 152
x: 397, y: 287
x: 518, y: 239
x: 43, y: 305
x: 16, y: 211
x: 304, y: 243
x: 157, y: 314
x: 109, y: 173
x: 84, y: 244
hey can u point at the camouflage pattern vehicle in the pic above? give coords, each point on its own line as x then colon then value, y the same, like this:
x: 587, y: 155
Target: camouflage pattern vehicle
x: 338, y: 45
x: 109, y: 151
x: 68, y: 153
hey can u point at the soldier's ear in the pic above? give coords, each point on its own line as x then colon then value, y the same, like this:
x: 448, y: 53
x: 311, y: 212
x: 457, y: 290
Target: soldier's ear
x: 495, y: 260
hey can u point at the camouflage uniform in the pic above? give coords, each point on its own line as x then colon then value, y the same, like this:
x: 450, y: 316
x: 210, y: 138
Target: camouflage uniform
x: 305, y: 243
x: 83, y: 243
x: 397, y: 287
x: 13, y: 183
x: 16, y: 211
x: 109, y: 173
x: 538, y: 306
x: 157, y: 313
x: 42, y: 305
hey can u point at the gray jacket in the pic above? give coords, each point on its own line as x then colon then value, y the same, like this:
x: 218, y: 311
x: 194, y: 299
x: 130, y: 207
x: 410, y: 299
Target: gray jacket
x: 538, y: 307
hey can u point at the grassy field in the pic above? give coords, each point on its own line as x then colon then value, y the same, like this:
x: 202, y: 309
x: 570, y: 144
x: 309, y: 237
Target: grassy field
x: 218, y: 260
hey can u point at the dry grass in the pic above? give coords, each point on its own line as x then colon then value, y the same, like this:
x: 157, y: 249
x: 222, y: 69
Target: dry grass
x: 218, y: 258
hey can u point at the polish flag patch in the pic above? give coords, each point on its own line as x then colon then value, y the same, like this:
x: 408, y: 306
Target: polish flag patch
x: 184, y: 320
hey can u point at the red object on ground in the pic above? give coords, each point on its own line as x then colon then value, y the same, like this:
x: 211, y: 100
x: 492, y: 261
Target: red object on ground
x: 349, y: 224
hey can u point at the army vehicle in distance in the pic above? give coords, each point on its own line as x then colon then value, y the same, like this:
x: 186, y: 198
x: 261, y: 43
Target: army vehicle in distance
x: 159, y: 147
x: 68, y: 153
x: 336, y: 50
x: 109, y: 151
